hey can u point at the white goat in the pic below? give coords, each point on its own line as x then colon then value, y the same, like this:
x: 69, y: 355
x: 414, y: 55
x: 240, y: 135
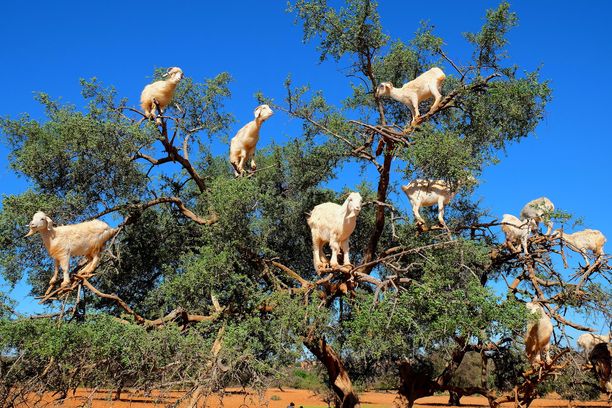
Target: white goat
x: 426, y: 193
x: 242, y: 146
x: 83, y: 239
x: 539, y: 210
x: 332, y: 223
x: 537, y: 338
x: 517, y: 232
x: 160, y: 92
x: 589, y: 340
x: 423, y: 87
x: 583, y: 241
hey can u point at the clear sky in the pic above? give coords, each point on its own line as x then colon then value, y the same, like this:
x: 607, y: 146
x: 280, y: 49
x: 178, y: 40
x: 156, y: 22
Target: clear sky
x: 48, y: 46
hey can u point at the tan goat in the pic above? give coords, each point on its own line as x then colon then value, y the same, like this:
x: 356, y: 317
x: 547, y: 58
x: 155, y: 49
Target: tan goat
x: 160, y: 92
x: 539, y: 210
x: 83, y: 239
x: 242, y: 146
x: 587, y: 341
x: 517, y: 232
x: 427, y: 193
x: 537, y: 338
x: 583, y: 241
x: 425, y: 86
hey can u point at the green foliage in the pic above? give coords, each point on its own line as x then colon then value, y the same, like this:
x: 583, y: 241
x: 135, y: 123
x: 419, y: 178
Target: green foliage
x: 576, y: 384
x: 75, y: 152
x: 6, y: 305
x: 305, y: 380
x: 469, y: 372
x: 99, y: 351
x: 350, y: 29
x: 83, y: 163
x: 490, y: 40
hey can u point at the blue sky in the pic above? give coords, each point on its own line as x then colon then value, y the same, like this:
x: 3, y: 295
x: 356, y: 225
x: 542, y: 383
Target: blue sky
x: 48, y: 46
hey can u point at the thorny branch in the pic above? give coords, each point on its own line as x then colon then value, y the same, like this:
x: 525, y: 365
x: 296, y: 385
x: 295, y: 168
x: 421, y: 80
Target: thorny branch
x: 135, y: 210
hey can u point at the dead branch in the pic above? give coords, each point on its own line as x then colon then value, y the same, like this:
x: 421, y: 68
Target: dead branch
x: 303, y: 282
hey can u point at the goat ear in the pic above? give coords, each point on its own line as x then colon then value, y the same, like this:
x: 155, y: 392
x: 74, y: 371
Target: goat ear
x: 49, y: 223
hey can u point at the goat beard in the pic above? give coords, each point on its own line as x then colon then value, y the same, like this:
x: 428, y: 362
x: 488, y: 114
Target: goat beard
x: 30, y: 233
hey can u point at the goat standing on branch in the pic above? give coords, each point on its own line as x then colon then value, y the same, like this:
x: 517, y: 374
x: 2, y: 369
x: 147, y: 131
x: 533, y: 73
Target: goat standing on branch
x: 332, y: 223
x: 160, y: 93
x: 242, y: 146
x: 583, y: 241
x: 517, y: 232
x: 539, y: 210
x: 83, y: 239
x: 425, y: 86
x: 427, y: 193
x: 537, y: 338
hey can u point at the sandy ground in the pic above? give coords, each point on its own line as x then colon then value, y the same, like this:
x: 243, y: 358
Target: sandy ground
x: 274, y: 398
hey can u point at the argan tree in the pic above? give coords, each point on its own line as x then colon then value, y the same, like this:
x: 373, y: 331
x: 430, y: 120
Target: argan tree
x: 210, y: 282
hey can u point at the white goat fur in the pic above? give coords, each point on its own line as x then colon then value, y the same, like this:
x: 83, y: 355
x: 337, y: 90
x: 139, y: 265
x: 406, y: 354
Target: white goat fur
x: 583, y: 241
x: 242, y: 146
x: 83, y: 239
x: 425, y: 86
x: 537, y: 338
x: 161, y: 92
x: 517, y: 232
x: 332, y: 223
x: 426, y: 193
x: 538, y: 211
x: 587, y: 341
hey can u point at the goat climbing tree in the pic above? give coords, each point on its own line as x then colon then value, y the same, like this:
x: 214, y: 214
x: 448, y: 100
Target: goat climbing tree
x: 222, y: 266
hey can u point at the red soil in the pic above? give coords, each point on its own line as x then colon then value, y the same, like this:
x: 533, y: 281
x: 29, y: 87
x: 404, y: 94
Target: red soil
x: 273, y: 398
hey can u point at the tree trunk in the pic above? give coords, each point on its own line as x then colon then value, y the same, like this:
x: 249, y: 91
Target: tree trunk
x: 338, y: 377
x: 454, y: 399
x: 414, y: 384
x: 381, y: 196
x: 451, y: 367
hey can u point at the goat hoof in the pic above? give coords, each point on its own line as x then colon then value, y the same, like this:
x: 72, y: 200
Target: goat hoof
x: 65, y: 284
x: 346, y: 267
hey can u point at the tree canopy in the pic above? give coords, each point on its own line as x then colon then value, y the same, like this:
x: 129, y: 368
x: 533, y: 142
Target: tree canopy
x: 210, y: 282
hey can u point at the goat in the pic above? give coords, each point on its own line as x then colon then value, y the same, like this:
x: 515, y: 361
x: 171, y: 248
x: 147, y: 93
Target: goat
x: 589, y: 340
x: 517, y: 231
x: 83, y: 239
x: 426, y: 193
x: 242, y: 146
x: 601, y: 360
x: 583, y: 241
x: 423, y: 87
x: 160, y: 93
x: 332, y: 223
x: 537, y: 337
x: 539, y: 210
